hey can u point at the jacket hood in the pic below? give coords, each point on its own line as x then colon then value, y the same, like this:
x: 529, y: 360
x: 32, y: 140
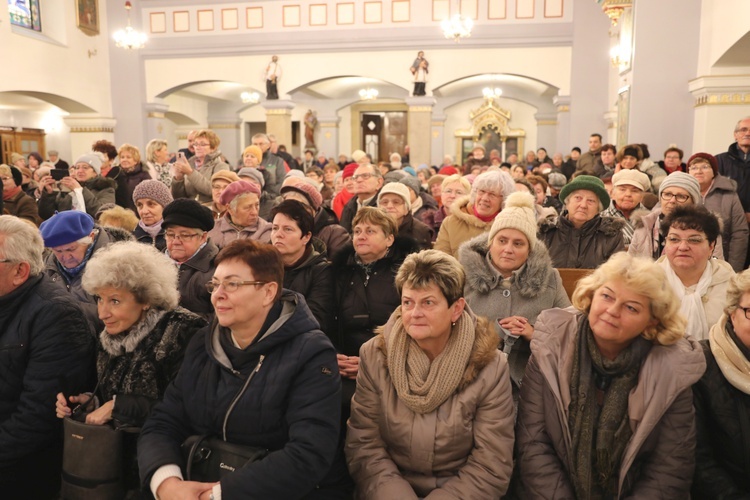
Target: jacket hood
x: 483, y: 351
x: 644, y: 218
x: 463, y: 213
x: 295, y: 319
x: 116, y: 234
x: 399, y: 250
x: 734, y: 152
x: 530, y: 280
x: 722, y: 183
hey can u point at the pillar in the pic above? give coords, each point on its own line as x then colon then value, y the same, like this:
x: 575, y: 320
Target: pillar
x: 720, y: 102
x: 279, y: 120
x: 438, y: 137
x: 228, y: 130
x: 546, y: 132
x: 156, y: 114
x: 85, y: 131
x: 419, y: 123
x: 563, y: 142
x: 327, y: 136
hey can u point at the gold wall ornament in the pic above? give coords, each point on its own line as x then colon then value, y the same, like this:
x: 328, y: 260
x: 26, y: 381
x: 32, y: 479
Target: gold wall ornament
x: 723, y: 99
x: 615, y: 8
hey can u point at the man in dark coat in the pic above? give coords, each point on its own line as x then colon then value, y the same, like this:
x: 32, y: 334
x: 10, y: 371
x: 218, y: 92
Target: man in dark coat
x: 281, y: 152
x: 46, y: 347
x: 735, y: 164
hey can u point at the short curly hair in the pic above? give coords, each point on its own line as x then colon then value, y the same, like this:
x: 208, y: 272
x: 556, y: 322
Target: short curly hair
x: 496, y: 181
x: 739, y: 285
x: 141, y: 269
x: 428, y: 267
x: 644, y: 277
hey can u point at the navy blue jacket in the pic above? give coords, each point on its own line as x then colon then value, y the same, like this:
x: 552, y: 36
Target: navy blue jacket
x: 46, y: 347
x: 291, y: 407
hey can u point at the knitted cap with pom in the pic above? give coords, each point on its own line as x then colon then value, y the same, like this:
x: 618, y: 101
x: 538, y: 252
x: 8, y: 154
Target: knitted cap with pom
x: 518, y: 213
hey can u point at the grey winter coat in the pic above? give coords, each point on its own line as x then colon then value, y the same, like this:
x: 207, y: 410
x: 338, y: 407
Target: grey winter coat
x: 722, y: 199
x: 224, y: 232
x: 534, y: 287
x: 584, y: 248
x: 659, y: 459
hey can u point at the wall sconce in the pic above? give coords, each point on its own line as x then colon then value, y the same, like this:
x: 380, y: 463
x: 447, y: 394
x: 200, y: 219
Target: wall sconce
x: 92, y: 53
x: 368, y: 94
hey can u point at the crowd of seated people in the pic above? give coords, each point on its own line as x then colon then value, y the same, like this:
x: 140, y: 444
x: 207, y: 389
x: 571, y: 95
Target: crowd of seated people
x: 381, y: 329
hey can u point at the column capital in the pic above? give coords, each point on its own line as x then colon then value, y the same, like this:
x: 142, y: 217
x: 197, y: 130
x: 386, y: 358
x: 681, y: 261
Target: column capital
x: 330, y: 121
x: 422, y: 103
x: 278, y: 107
x: 155, y: 109
x: 562, y: 103
x: 89, y: 124
x: 226, y: 122
x: 546, y: 119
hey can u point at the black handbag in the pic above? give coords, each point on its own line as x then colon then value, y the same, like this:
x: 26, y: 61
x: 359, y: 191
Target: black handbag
x: 92, y: 461
x: 208, y: 459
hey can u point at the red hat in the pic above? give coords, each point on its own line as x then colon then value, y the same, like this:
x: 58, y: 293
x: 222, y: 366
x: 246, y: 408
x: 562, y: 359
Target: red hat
x: 711, y: 159
x: 237, y: 188
x: 448, y: 170
x: 349, y: 170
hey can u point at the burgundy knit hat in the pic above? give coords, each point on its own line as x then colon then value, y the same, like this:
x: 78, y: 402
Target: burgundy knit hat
x: 349, y: 170
x: 711, y: 159
x: 237, y: 188
x: 305, y: 188
x: 153, y: 190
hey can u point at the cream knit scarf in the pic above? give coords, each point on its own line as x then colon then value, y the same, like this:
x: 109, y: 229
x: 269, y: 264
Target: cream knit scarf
x: 421, y: 385
x: 732, y: 363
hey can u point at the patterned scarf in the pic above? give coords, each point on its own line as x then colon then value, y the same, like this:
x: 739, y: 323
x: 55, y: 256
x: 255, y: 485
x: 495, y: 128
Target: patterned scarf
x: 598, y: 412
x: 423, y: 385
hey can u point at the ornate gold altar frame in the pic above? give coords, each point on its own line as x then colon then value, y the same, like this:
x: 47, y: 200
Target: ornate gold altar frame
x: 489, y: 116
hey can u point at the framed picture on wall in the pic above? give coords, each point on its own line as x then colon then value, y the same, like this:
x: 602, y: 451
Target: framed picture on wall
x: 87, y: 16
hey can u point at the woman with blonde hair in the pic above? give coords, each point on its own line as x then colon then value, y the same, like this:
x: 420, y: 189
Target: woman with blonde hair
x: 157, y: 161
x: 133, y: 170
x: 606, y: 406
x: 192, y: 178
x: 432, y: 416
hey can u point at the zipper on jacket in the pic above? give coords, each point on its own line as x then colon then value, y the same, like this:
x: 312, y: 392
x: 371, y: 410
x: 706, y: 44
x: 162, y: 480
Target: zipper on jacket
x: 12, y: 346
x: 239, y: 395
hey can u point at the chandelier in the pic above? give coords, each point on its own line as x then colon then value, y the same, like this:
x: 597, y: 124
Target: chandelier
x: 457, y: 27
x: 129, y: 38
x: 368, y: 94
x: 492, y: 93
x: 250, y: 97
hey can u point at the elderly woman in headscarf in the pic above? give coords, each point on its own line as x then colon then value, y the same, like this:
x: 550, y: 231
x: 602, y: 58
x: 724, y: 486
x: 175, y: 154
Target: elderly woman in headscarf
x: 510, y: 279
x: 142, y: 343
x: 606, y: 407
x: 432, y: 416
x: 678, y: 189
x: 699, y: 281
x: 473, y: 215
x: 150, y: 198
x: 580, y: 237
x: 241, y: 221
x: 722, y: 401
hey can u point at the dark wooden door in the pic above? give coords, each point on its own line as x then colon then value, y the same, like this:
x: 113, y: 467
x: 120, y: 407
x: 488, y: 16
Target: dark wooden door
x: 372, y: 128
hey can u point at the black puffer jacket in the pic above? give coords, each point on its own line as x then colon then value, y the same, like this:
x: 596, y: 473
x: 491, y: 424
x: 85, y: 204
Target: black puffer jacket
x: 46, y: 347
x: 291, y: 407
x: 413, y: 228
x: 722, y: 415
x: 96, y: 192
x: 132, y: 179
x: 328, y: 230
x: 363, y: 304
x: 735, y: 164
x: 584, y: 248
x: 313, y: 279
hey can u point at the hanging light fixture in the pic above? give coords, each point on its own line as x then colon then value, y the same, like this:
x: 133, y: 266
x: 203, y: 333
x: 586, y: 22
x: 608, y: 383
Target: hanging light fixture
x: 457, y: 27
x: 250, y: 97
x: 368, y: 94
x: 129, y: 38
x: 492, y: 93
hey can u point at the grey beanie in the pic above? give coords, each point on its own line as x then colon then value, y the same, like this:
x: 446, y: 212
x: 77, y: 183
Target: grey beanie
x: 684, y: 181
x: 256, y: 175
x: 411, y: 182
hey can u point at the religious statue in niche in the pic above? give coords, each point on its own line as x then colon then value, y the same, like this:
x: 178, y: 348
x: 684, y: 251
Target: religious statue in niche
x: 311, y: 121
x: 273, y: 73
x: 420, y: 68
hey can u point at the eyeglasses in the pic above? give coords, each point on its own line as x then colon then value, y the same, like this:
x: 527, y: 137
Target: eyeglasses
x: 230, y: 286
x: 744, y: 310
x: 81, y: 167
x: 488, y: 194
x: 397, y: 202
x: 681, y: 198
x: 201, y: 144
x: 693, y: 241
x: 182, y: 237
x: 5, y: 178
x: 217, y: 187
x: 700, y: 166
x: 457, y: 192
x: 364, y: 177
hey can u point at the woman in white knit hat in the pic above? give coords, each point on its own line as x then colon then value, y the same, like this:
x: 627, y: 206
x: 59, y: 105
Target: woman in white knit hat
x: 510, y: 279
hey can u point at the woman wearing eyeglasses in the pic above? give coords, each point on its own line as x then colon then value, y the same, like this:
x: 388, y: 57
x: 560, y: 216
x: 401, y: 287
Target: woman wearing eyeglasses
x: 720, y: 196
x: 143, y: 341
x: 186, y: 226
x: 193, y: 177
x: 262, y: 376
x: 677, y: 189
x: 699, y: 281
x: 722, y: 401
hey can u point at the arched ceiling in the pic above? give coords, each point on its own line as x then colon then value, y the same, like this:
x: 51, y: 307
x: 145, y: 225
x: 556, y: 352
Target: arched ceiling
x: 473, y: 85
x: 41, y: 102
x: 738, y: 54
x: 348, y: 87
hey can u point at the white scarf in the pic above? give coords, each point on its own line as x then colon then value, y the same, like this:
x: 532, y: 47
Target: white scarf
x: 691, y: 303
x: 416, y: 205
x: 732, y: 363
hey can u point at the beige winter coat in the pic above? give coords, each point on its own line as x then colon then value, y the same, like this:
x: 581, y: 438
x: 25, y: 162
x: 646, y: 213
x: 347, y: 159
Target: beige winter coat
x: 660, y: 457
x: 461, y: 450
x: 460, y: 226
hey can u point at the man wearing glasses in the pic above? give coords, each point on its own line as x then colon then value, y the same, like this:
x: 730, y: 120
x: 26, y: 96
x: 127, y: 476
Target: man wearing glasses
x: 735, y: 164
x: 186, y: 226
x: 367, y: 183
